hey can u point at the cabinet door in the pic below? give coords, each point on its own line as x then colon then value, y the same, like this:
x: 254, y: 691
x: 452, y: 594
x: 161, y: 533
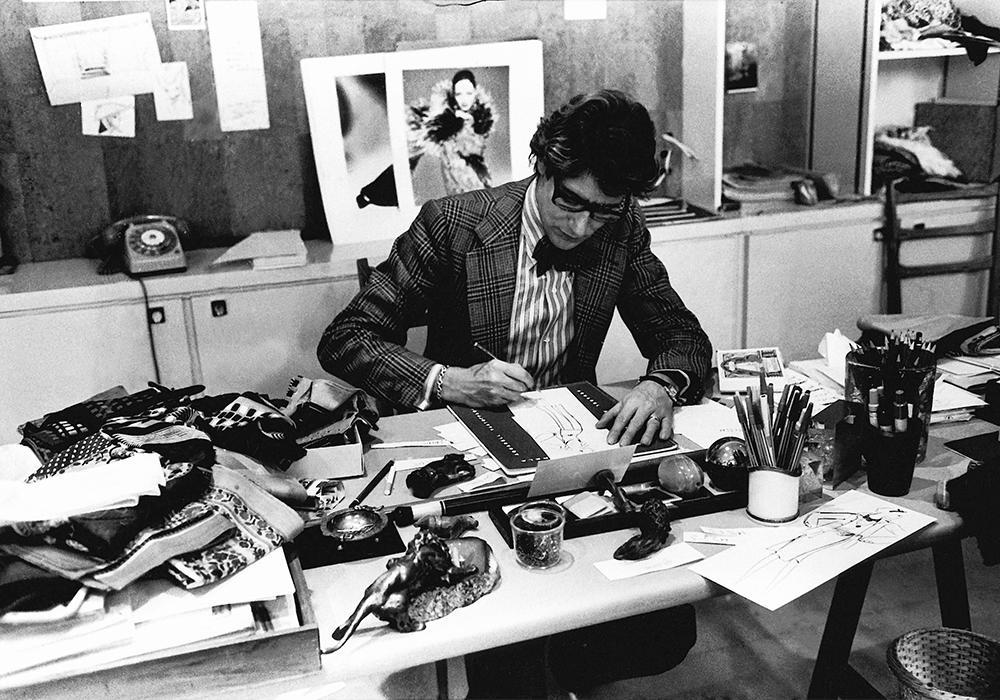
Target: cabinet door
x: 49, y: 361
x: 805, y: 282
x: 257, y: 340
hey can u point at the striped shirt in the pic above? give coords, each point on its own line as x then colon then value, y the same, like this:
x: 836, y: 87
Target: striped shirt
x: 541, y: 322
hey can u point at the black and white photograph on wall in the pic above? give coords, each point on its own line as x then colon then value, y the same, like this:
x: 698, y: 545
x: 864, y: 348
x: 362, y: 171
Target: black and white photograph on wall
x: 457, y: 135
x: 392, y: 131
x: 741, y: 66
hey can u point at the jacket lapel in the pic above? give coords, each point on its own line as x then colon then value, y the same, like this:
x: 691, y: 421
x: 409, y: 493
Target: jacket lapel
x: 593, y: 287
x: 491, y: 269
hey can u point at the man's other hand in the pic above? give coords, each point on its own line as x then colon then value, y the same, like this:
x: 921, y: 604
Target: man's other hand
x: 493, y: 383
x: 645, y: 413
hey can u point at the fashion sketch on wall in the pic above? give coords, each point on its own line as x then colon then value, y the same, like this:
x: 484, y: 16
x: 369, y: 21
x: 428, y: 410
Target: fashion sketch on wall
x: 393, y: 131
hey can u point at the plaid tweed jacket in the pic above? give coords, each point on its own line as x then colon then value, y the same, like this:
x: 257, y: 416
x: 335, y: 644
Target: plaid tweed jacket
x: 454, y: 270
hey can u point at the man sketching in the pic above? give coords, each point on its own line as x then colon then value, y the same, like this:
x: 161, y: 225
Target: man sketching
x: 518, y: 284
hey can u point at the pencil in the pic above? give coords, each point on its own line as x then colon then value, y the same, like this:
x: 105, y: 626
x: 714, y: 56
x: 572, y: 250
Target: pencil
x: 371, y: 484
x: 480, y: 348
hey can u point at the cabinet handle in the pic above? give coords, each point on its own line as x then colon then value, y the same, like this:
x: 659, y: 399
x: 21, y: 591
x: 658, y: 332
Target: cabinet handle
x: 219, y: 308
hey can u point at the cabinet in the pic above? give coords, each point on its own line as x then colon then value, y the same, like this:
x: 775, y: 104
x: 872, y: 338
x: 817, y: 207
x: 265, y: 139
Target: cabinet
x: 52, y: 359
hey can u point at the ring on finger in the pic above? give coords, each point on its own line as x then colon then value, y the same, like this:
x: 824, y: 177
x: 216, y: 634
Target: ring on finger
x: 654, y: 418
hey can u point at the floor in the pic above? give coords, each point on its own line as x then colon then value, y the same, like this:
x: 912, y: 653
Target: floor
x: 745, y: 651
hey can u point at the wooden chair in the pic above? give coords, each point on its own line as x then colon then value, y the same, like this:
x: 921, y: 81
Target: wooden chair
x: 894, y: 234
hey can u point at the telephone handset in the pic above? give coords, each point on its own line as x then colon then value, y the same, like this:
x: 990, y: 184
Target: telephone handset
x: 145, y: 245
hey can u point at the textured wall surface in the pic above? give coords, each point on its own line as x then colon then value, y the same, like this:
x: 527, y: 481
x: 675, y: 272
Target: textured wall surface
x: 61, y: 187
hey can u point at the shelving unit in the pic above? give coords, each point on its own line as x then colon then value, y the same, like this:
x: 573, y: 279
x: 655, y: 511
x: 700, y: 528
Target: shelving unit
x: 896, y: 81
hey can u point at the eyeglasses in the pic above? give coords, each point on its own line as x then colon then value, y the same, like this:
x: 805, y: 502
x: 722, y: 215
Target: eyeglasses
x: 570, y: 201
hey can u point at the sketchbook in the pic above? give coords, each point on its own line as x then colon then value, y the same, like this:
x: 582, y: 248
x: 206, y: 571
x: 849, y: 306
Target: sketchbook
x: 548, y: 424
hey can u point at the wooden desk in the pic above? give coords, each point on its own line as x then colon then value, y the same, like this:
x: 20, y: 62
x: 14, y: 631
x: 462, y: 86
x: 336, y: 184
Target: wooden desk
x: 533, y: 604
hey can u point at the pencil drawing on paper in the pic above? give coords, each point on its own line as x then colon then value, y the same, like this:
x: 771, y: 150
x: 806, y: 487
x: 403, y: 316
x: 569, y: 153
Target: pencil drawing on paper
x: 559, y: 423
x: 825, y: 530
x: 775, y: 566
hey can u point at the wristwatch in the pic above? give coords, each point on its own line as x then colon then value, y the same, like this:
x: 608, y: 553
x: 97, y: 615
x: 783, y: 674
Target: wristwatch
x: 672, y: 391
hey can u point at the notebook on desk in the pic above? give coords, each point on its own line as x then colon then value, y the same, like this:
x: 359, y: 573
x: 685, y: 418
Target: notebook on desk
x: 550, y: 424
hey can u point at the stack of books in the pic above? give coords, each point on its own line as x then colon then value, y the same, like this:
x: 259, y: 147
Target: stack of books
x: 757, y: 183
x: 669, y: 210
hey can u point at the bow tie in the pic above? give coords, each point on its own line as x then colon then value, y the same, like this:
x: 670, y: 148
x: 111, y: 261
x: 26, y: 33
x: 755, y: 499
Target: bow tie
x: 548, y: 256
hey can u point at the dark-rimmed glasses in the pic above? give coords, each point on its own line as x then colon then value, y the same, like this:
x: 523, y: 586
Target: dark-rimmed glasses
x: 568, y: 200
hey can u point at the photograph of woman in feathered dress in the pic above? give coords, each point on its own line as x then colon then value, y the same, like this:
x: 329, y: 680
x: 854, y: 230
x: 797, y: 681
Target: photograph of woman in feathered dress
x: 457, y: 138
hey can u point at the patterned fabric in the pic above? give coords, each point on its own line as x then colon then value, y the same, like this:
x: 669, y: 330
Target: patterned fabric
x: 261, y: 524
x: 455, y: 266
x: 56, y: 431
x: 541, y: 325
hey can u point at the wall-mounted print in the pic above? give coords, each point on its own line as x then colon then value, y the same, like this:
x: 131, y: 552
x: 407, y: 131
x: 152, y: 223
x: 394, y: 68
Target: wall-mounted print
x: 741, y: 66
x: 392, y: 131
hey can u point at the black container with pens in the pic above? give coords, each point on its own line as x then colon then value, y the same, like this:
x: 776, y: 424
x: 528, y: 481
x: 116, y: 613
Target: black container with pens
x: 894, y: 385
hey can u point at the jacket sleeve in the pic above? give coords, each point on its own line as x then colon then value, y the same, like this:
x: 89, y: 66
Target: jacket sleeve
x: 667, y: 333
x: 364, y: 344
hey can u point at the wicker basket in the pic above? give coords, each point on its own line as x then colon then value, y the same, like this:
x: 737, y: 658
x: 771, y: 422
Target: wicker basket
x: 945, y: 664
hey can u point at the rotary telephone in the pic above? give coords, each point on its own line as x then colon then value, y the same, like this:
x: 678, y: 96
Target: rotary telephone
x: 142, y: 245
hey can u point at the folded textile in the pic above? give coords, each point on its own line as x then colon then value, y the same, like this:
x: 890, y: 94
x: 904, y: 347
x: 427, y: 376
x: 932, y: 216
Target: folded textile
x: 262, y: 524
x: 56, y: 431
x: 112, y: 485
x: 253, y: 425
x: 325, y: 410
x: 976, y: 497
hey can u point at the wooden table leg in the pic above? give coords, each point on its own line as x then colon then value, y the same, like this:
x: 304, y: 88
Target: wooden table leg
x: 953, y: 593
x: 832, y: 676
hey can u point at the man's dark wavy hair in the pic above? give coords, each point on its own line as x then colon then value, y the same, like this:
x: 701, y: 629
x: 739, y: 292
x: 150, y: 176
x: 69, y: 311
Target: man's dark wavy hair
x: 606, y: 134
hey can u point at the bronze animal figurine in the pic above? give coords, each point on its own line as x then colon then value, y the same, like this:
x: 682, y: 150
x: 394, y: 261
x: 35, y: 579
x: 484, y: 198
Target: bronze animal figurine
x: 653, y: 516
x: 438, y: 573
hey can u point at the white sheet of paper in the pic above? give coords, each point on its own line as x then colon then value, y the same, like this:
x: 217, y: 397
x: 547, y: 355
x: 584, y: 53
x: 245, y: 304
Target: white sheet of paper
x: 575, y: 471
x: 706, y: 422
x: 98, y: 58
x: 559, y: 423
x: 109, y: 117
x: 17, y: 462
x: 260, y: 244
x: 334, y: 462
x: 264, y: 579
x: 238, y: 63
x: 837, y: 535
x: 667, y: 558
x: 585, y: 9
x: 948, y: 397
x: 172, y: 95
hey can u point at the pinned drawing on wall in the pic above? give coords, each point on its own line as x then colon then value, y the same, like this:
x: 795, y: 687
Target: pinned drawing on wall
x: 114, y: 117
x: 97, y: 59
x: 741, y: 66
x: 185, y: 14
x: 391, y: 131
x: 172, y: 96
x: 238, y: 65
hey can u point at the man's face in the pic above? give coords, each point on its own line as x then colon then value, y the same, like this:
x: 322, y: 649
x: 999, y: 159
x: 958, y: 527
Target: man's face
x: 568, y: 229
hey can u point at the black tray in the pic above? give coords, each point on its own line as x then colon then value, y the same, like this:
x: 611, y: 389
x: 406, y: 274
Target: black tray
x: 701, y: 502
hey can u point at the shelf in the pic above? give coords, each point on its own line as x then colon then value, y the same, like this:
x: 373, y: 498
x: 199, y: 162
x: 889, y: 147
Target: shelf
x: 928, y: 53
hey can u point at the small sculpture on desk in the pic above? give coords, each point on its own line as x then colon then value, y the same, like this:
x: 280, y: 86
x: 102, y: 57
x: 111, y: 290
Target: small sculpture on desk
x: 450, y: 469
x: 439, y: 572
x: 654, y: 520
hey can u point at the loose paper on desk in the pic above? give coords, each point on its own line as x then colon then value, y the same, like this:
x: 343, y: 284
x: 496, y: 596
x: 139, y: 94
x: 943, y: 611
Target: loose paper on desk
x: 706, y: 422
x: 837, y: 535
x: 333, y: 462
x: 667, y: 558
x: 575, y: 471
x: 834, y: 348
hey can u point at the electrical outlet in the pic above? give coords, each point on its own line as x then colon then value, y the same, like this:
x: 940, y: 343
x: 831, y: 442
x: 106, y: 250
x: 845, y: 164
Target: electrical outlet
x: 156, y: 315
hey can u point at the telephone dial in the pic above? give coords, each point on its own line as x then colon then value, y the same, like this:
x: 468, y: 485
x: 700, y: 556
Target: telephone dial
x: 143, y: 245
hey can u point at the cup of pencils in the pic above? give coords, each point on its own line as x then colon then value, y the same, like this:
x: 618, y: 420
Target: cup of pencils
x: 775, y: 433
x: 894, y: 385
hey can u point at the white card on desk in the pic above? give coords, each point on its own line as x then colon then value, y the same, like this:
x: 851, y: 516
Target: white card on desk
x: 334, y: 462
